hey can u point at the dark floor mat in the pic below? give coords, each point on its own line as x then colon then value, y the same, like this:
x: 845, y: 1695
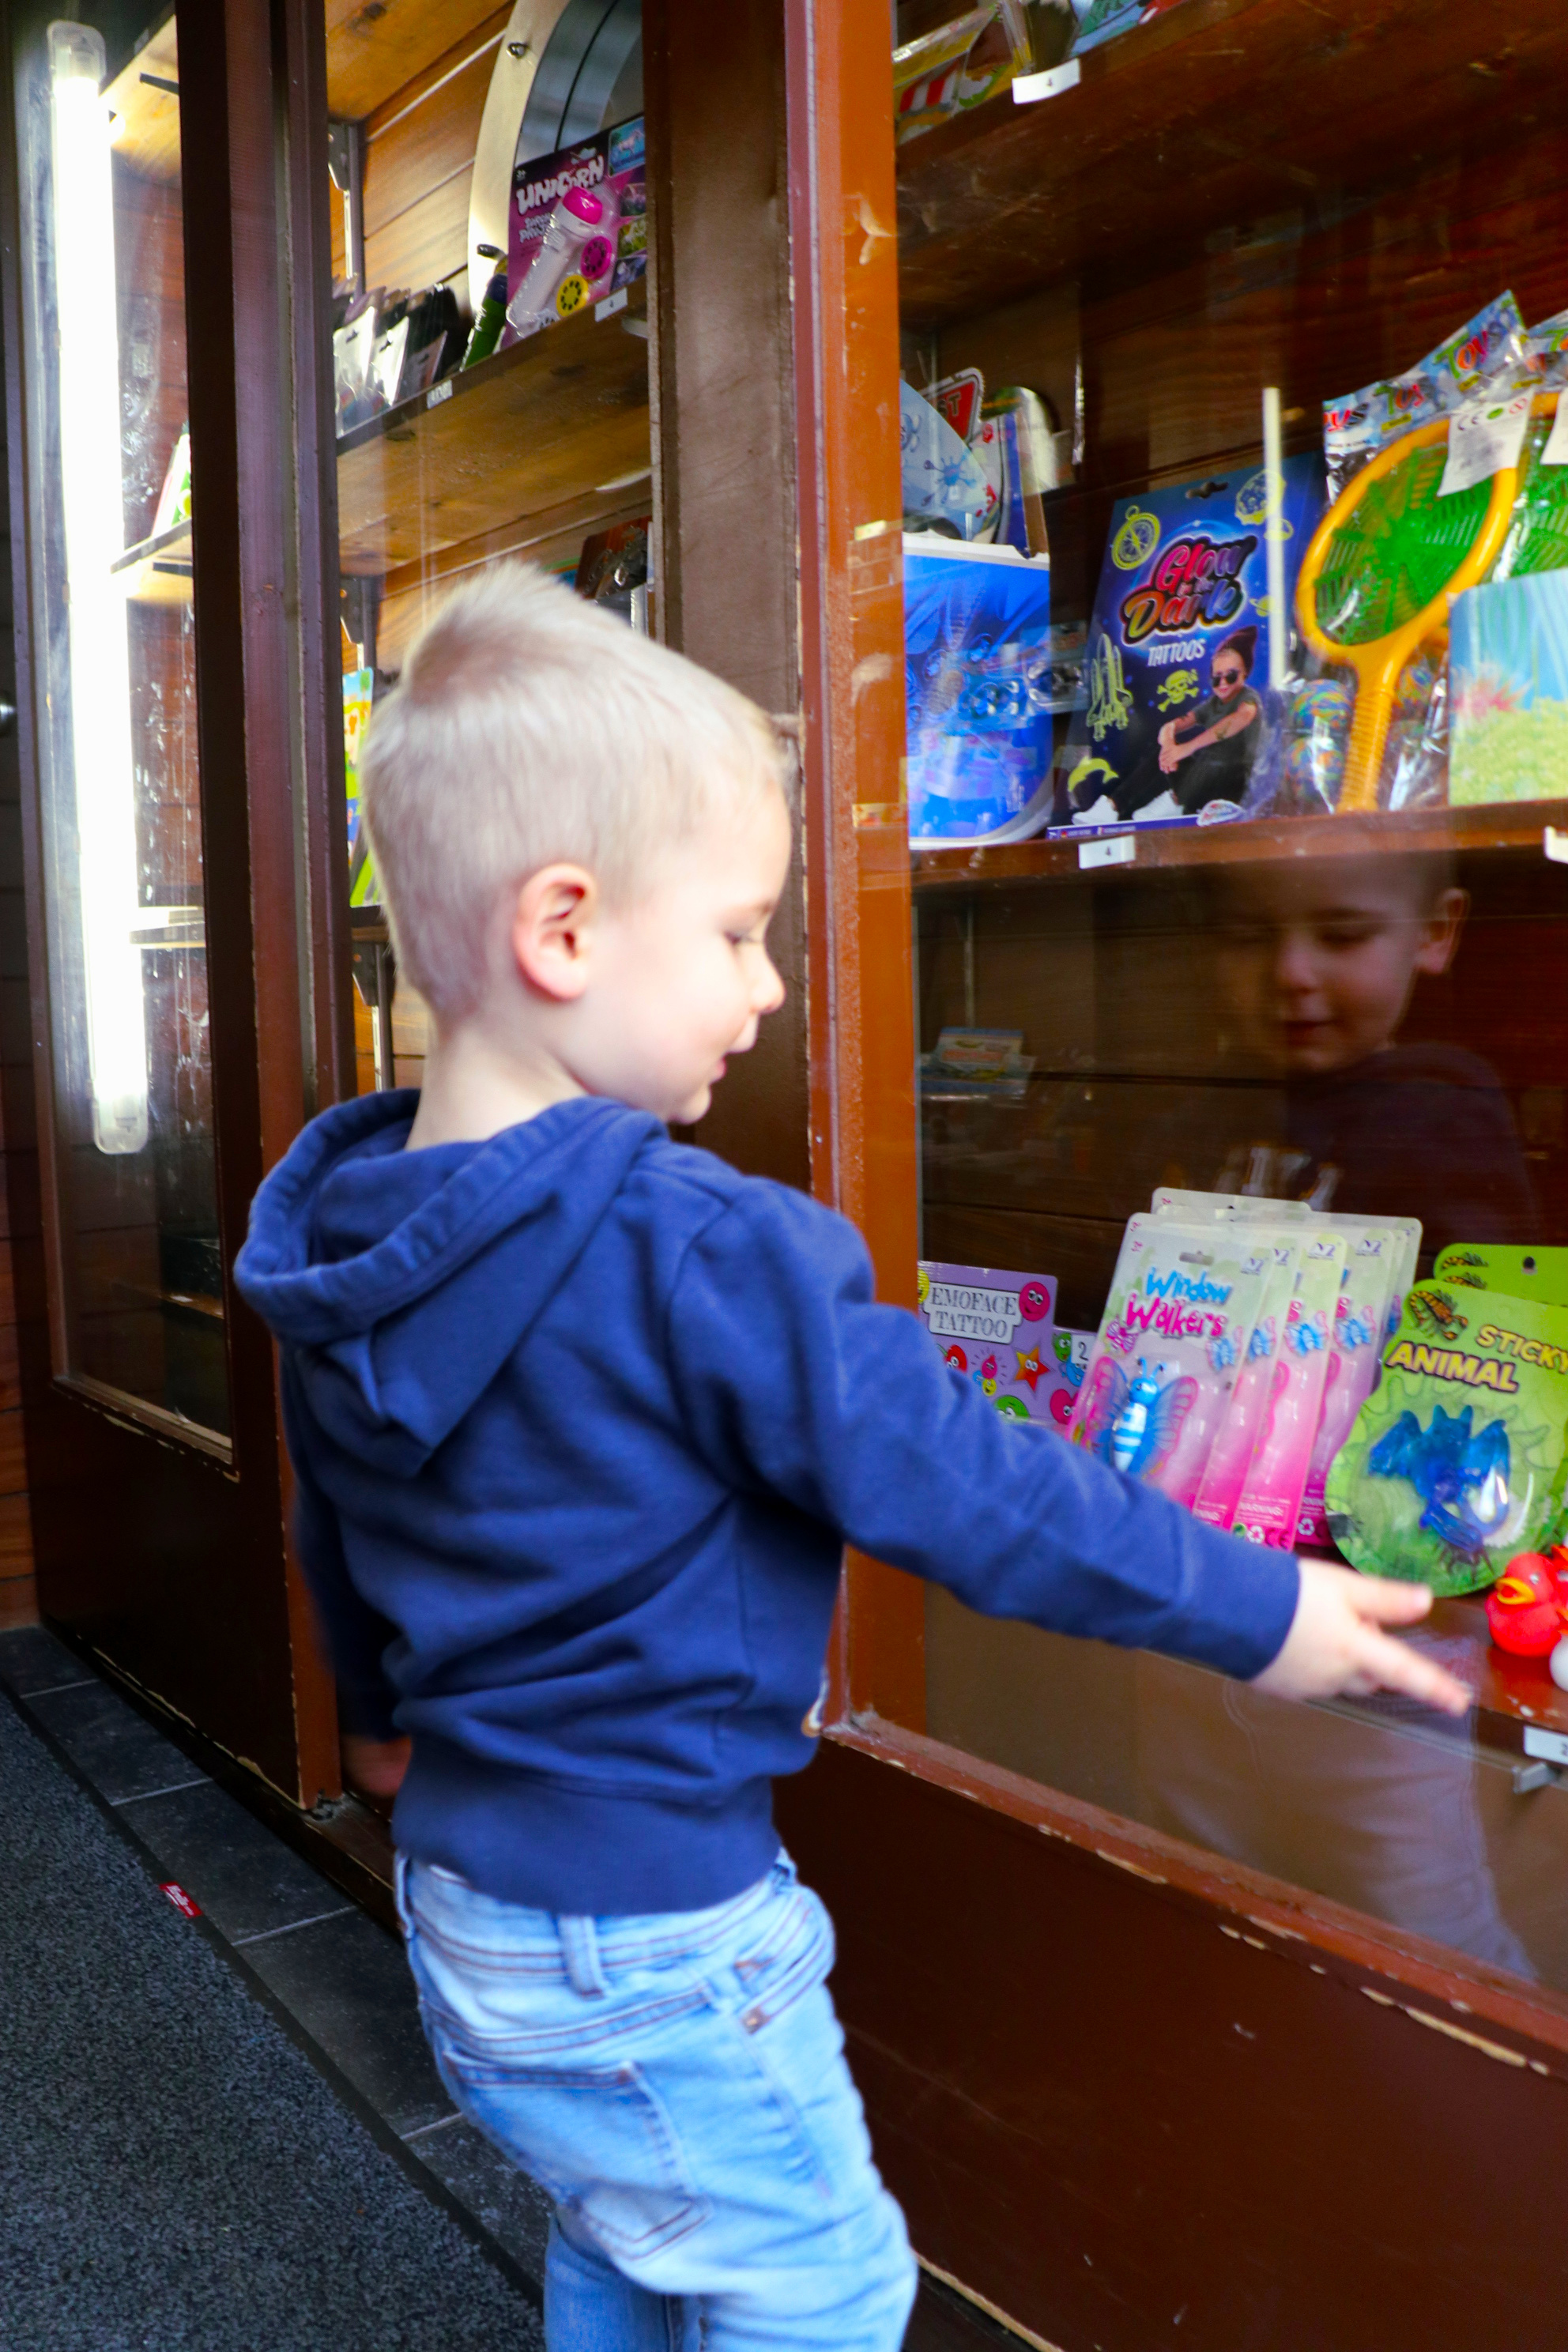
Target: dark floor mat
x: 173, y: 2171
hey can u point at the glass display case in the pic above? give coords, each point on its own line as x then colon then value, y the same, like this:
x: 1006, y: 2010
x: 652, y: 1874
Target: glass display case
x: 490, y: 357
x: 1235, y: 521
x: 139, y: 1309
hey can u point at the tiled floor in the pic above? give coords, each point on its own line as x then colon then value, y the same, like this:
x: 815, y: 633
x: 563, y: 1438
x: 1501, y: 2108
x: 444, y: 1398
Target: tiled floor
x: 337, y: 1980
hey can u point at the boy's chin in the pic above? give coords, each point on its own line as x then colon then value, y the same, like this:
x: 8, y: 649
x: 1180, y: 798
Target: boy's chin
x: 695, y: 1107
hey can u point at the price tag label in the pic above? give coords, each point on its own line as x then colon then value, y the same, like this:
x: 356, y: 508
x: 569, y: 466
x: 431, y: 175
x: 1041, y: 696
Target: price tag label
x: 1555, y: 452
x: 1483, y: 440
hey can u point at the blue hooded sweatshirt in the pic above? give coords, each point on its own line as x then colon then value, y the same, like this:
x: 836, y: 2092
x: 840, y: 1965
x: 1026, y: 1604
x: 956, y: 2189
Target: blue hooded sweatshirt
x: 580, y: 1420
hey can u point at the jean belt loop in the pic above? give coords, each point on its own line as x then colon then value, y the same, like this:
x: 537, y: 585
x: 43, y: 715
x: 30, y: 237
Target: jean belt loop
x: 580, y: 1951
x: 400, y: 1891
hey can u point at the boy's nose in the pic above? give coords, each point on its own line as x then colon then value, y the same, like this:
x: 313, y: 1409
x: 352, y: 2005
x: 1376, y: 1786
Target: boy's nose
x: 1295, y: 965
x: 770, y: 992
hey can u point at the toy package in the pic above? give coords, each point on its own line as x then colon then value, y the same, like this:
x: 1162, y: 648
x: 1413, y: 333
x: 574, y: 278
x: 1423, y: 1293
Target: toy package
x: 577, y: 229
x: 1380, y: 1265
x: 1269, y: 1507
x: 943, y: 481
x: 359, y: 692
x: 1487, y: 348
x: 999, y: 1330
x: 1178, y: 711
x: 1230, y: 1455
x: 1535, y: 1272
x: 1509, y: 688
x: 979, y: 679
x: 1333, y: 1295
x: 958, y: 66
x: 1183, y: 1301
x: 1459, y: 1458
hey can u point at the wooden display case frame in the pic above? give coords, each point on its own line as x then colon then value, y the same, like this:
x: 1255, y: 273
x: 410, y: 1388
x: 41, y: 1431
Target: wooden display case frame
x: 1130, y: 2094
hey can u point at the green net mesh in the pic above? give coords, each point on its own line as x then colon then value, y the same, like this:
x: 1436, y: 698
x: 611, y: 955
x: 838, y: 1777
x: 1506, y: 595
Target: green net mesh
x: 1538, y: 534
x: 1401, y: 544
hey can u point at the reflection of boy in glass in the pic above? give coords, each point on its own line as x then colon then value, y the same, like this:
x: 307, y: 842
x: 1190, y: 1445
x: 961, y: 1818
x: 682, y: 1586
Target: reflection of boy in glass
x: 1320, y: 959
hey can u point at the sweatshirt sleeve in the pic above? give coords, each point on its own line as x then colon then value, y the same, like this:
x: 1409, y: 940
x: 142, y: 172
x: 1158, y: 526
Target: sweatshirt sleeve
x: 796, y: 1381
x: 357, y: 1635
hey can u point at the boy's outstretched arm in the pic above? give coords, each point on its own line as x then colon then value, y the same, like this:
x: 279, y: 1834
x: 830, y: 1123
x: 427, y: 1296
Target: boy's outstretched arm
x: 1336, y: 1646
x: 794, y: 1380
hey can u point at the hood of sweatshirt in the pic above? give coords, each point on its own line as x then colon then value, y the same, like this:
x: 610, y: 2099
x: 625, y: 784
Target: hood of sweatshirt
x: 403, y: 1280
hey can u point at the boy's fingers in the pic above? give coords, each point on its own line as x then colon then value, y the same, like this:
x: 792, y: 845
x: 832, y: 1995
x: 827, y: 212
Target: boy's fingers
x: 1388, y: 1604
x: 1396, y: 1667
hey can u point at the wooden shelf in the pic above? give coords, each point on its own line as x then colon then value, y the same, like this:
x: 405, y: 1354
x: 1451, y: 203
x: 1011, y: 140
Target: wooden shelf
x: 147, y: 135
x: 1219, y: 114
x: 551, y: 419
x: 1515, y: 1693
x: 1520, y: 826
x: 158, y: 571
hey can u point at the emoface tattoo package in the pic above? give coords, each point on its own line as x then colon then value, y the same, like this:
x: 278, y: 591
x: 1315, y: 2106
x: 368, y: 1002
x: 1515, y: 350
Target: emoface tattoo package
x: 1459, y: 1458
x: 1181, y: 1308
x: 999, y: 1330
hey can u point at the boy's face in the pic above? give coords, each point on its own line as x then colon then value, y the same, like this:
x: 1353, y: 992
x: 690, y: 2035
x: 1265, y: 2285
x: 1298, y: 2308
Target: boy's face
x: 682, y: 976
x: 1320, y: 959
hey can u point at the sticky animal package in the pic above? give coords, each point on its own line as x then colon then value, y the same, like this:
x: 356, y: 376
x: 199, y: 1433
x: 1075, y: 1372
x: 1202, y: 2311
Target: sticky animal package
x: 1164, y: 1366
x: 1459, y: 1458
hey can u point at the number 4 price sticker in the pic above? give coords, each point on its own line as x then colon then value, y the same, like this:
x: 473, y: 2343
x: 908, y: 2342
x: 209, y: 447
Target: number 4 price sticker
x: 1484, y: 440
x: 185, y: 1905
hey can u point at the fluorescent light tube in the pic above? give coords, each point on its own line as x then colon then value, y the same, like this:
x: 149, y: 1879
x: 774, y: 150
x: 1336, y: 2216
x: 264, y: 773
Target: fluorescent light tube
x: 88, y: 381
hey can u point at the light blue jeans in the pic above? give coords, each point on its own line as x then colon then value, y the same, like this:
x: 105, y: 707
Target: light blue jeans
x: 677, y: 2084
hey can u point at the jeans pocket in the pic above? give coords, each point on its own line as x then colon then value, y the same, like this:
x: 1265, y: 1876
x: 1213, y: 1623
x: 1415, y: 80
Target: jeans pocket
x: 597, y: 2137
x: 791, y: 1954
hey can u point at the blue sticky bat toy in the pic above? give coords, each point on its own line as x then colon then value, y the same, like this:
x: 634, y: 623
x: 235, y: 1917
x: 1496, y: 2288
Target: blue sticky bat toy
x: 1460, y: 1476
x: 1134, y: 1424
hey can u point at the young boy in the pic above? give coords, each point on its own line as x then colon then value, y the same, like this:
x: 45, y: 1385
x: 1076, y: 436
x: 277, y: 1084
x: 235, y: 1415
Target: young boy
x: 580, y: 1421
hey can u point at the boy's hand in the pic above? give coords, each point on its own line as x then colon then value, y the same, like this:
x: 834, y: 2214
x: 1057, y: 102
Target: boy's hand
x: 1335, y: 1648
x: 376, y: 1767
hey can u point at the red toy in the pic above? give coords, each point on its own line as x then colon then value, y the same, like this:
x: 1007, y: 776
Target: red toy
x: 1527, y: 1608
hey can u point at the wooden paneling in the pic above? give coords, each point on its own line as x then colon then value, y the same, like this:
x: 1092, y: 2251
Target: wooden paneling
x: 1140, y: 2100
x: 427, y: 243
x: 1219, y: 112
x: 376, y: 47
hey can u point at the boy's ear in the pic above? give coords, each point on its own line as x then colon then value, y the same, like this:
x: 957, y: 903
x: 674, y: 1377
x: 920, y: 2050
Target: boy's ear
x: 1441, y: 931
x: 551, y: 930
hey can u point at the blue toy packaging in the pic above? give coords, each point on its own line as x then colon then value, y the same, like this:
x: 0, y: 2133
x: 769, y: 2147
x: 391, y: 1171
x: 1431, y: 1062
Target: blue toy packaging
x: 999, y: 1330
x: 1179, y: 712
x: 978, y: 669
x: 1459, y: 1457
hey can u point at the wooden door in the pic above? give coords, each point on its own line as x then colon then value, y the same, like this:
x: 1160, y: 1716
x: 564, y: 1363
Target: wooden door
x: 161, y: 440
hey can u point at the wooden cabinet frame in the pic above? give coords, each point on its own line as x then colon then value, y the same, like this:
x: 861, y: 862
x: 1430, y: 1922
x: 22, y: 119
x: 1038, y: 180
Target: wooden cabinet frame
x: 1131, y: 2094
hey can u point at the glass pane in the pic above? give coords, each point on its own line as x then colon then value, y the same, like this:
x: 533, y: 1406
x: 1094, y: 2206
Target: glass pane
x: 135, y: 1193
x: 490, y: 325
x: 1226, y: 817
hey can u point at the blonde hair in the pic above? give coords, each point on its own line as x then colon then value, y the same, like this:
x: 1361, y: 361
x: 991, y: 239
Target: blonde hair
x: 530, y: 726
